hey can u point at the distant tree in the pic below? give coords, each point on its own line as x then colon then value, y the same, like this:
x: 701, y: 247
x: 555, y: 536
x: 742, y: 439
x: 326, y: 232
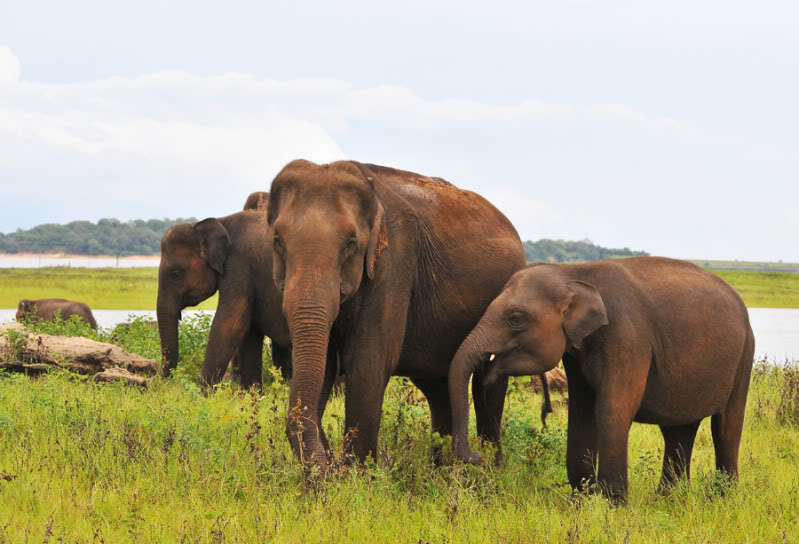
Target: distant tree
x: 570, y: 251
x: 108, y: 237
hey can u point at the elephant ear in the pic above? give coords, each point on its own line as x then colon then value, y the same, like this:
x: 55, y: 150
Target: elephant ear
x: 214, y: 243
x: 584, y: 312
x: 378, y: 240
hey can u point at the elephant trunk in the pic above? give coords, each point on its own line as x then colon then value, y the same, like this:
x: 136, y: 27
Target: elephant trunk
x: 310, y: 310
x: 168, y: 314
x: 468, y: 357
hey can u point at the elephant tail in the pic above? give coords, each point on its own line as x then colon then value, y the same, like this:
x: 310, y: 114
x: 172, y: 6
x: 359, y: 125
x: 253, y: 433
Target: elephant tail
x: 546, y: 406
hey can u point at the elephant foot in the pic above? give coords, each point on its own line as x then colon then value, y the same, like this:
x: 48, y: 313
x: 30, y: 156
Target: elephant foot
x: 471, y: 457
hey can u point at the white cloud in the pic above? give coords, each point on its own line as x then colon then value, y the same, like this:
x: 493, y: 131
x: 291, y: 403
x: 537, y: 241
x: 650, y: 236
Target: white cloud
x: 9, y: 65
x: 623, y: 112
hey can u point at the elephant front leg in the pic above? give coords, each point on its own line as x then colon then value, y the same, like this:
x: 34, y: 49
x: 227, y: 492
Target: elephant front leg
x: 228, y: 329
x: 250, y: 359
x: 581, y: 442
x: 489, y: 403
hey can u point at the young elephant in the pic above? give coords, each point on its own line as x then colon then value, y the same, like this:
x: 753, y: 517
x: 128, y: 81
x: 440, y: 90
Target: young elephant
x: 48, y: 308
x: 649, y: 339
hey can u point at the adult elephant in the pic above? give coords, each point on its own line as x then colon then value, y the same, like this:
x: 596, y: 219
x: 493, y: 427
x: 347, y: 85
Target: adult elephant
x: 49, y: 308
x: 649, y: 339
x: 231, y: 255
x: 395, y: 267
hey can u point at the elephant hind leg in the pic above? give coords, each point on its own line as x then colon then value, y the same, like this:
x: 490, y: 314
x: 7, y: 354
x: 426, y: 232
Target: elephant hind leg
x: 437, y: 394
x: 727, y: 425
x: 677, y: 455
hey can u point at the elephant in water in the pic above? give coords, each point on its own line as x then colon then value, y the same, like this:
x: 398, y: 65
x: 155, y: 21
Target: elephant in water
x: 648, y: 339
x: 49, y: 308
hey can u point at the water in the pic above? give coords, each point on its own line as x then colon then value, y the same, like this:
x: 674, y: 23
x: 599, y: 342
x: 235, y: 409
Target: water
x: 108, y: 319
x: 776, y: 329
x: 8, y: 261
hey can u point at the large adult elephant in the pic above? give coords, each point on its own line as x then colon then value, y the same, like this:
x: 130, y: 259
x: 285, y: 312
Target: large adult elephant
x: 397, y: 268
x: 49, y: 308
x: 231, y: 255
x: 649, y: 339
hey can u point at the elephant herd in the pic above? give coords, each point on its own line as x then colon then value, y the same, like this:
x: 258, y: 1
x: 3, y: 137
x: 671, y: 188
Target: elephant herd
x: 370, y: 272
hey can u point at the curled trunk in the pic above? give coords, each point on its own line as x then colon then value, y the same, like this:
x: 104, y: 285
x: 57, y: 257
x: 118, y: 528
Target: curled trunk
x: 467, y: 359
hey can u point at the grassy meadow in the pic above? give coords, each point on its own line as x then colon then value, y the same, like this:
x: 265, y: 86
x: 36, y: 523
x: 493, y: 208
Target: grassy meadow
x: 100, y: 288
x: 136, y: 288
x: 82, y: 462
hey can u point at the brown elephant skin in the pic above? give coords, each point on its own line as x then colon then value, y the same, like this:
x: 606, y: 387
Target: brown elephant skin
x: 396, y: 268
x: 648, y: 339
x: 48, y: 308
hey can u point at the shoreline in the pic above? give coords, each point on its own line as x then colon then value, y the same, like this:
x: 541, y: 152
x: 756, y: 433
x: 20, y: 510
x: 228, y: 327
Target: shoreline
x: 74, y: 256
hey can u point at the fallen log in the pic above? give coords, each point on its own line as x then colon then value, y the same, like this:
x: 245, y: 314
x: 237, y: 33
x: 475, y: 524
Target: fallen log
x: 34, y: 353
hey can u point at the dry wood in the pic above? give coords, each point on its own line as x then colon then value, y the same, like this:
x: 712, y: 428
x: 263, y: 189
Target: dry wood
x: 106, y: 362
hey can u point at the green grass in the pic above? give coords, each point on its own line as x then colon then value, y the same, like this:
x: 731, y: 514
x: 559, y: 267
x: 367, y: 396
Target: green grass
x: 764, y: 289
x: 757, y: 266
x: 84, y: 462
x: 137, y: 288
x: 100, y: 288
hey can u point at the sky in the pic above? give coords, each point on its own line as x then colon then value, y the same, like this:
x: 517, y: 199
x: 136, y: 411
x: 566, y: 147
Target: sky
x: 669, y: 127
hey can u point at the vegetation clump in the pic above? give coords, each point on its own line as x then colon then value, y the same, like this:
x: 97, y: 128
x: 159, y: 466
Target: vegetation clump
x: 89, y: 462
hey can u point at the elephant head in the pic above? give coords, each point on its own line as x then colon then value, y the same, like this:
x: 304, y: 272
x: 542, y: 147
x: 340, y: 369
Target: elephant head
x: 192, y: 260
x: 328, y: 231
x: 25, y: 306
x: 525, y: 331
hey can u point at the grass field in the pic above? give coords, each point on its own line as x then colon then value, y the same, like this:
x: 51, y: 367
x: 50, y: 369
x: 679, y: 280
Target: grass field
x: 764, y: 289
x: 82, y: 462
x: 100, y: 288
x: 136, y: 288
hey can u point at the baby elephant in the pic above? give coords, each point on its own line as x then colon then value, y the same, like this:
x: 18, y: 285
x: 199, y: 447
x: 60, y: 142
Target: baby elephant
x: 648, y: 339
x: 48, y: 308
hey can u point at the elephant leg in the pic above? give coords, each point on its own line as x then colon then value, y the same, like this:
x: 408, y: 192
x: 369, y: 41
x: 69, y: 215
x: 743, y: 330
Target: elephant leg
x: 581, y: 441
x: 235, y: 364
x: 369, y: 357
x: 437, y: 394
x: 489, y: 403
x: 250, y: 359
x: 281, y: 357
x: 616, y: 405
x: 679, y: 441
x: 228, y: 329
x: 727, y: 425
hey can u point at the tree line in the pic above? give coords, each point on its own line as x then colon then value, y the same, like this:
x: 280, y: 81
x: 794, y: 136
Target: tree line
x: 569, y: 251
x: 106, y: 237
x: 140, y: 237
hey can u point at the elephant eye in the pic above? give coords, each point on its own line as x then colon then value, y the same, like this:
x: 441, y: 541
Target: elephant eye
x: 279, y: 243
x: 517, y: 319
x: 175, y: 274
x: 352, y: 243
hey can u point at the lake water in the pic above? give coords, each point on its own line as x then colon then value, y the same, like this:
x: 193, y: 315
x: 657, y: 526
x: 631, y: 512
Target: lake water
x: 776, y: 329
x: 79, y: 261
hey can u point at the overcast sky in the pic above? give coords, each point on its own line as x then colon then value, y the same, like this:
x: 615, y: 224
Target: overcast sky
x: 669, y: 127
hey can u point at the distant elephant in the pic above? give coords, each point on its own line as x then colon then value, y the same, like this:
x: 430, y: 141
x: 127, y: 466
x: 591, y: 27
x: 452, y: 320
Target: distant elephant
x: 648, y: 339
x: 231, y: 254
x: 396, y: 268
x: 48, y: 308
x: 257, y: 200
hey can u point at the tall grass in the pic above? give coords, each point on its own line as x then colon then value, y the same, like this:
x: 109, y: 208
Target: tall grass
x: 87, y: 462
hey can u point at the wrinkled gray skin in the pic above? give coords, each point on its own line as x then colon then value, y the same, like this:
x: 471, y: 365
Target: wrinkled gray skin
x: 48, y: 308
x: 651, y: 340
